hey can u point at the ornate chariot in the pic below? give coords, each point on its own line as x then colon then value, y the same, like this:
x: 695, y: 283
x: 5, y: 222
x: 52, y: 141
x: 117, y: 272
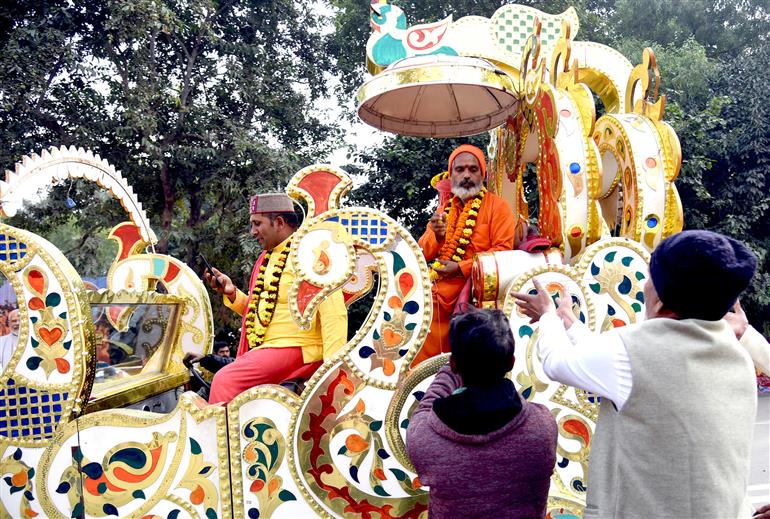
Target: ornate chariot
x: 79, y: 439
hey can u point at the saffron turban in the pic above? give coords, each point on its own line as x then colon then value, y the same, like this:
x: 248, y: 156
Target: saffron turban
x: 473, y: 150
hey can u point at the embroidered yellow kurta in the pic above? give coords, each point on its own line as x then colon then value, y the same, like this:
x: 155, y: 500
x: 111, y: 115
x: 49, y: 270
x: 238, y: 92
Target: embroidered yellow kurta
x: 328, y: 332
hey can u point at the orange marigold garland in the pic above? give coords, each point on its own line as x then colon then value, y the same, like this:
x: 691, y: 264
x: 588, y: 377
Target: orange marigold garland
x: 258, y: 320
x: 459, y: 231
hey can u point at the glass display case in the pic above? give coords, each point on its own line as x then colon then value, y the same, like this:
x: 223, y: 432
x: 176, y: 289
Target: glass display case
x: 136, y: 335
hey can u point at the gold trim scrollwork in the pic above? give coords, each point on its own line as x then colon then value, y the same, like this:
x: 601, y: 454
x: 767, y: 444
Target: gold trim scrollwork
x: 424, y: 370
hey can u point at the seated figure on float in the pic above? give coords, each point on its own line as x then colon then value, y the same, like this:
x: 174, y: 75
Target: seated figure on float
x: 473, y: 220
x: 272, y: 347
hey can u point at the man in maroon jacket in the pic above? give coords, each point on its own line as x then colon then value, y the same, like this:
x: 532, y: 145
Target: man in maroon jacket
x: 482, y: 449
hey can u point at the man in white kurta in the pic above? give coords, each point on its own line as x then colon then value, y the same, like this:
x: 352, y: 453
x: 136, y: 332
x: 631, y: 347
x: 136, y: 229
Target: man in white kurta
x: 678, y: 391
x: 9, y: 342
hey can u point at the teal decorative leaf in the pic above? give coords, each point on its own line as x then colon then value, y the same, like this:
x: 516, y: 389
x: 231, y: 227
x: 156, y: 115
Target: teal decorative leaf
x: 398, y: 262
x: 594, y: 268
x: 411, y: 326
x: 640, y: 276
x: 380, y: 491
x: 626, y: 261
x: 173, y: 514
x: 596, y: 287
x: 211, y: 513
x: 35, y: 342
x: 63, y: 315
x: 138, y: 494
x: 33, y: 363
x: 53, y: 299
x: 400, y: 474
x: 637, y: 307
x: 404, y: 423
x: 77, y: 510
x: 77, y: 455
x: 285, y: 495
x: 93, y: 470
x: 525, y: 331
x: 386, y: 316
x: 610, y: 257
x: 195, y: 447
x: 375, y: 425
x: 33, y: 319
x: 110, y: 509
x: 342, y: 450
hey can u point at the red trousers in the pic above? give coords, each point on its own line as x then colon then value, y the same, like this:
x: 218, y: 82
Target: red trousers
x: 260, y: 366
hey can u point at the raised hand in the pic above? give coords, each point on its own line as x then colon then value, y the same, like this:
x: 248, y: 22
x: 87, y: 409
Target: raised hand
x: 437, y: 224
x: 220, y: 282
x: 737, y: 320
x: 534, y: 305
x: 564, y: 310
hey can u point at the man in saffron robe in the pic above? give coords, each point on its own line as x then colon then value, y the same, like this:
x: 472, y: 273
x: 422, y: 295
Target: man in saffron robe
x: 272, y: 348
x: 455, y: 234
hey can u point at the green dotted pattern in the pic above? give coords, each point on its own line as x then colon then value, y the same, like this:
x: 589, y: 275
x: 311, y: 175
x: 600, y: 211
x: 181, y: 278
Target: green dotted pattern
x: 515, y: 26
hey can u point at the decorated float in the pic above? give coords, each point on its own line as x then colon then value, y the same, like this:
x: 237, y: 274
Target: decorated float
x: 86, y: 435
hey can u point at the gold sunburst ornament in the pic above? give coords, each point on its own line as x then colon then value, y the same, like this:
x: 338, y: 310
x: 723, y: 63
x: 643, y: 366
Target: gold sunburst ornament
x: 258, y: 319
x: 460, y: 228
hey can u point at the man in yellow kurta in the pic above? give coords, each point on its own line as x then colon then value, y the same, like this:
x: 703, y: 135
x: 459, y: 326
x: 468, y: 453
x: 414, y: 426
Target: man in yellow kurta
x: 272, y: 347
x: 472, y: 221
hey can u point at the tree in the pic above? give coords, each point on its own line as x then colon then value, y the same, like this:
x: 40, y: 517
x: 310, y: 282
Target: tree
x: 200, y: 103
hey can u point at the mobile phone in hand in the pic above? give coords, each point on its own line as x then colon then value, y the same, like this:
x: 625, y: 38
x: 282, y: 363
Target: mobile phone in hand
x: 208, y: 267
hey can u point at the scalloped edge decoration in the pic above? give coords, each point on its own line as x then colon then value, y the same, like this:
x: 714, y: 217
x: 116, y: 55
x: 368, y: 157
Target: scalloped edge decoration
x: 56, y: 164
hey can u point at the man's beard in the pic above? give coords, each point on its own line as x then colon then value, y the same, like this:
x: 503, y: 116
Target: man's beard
x: 465, y: 192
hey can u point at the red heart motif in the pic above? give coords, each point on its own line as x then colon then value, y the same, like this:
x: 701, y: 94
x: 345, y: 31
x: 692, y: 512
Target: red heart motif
x: 391, y: 338
x: 50, y: 335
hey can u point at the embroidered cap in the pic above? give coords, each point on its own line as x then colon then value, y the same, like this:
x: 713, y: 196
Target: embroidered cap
x: 271, y: 203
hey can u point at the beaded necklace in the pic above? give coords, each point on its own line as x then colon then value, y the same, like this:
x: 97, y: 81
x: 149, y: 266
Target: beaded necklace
x: 459, y: 231
x: 258, y: 320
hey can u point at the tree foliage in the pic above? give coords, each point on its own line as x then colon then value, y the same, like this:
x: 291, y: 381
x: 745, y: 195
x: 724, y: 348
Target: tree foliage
x: 199, y: 102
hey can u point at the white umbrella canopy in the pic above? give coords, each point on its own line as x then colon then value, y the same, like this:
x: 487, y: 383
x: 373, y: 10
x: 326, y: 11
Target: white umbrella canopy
x: 438, y: 96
